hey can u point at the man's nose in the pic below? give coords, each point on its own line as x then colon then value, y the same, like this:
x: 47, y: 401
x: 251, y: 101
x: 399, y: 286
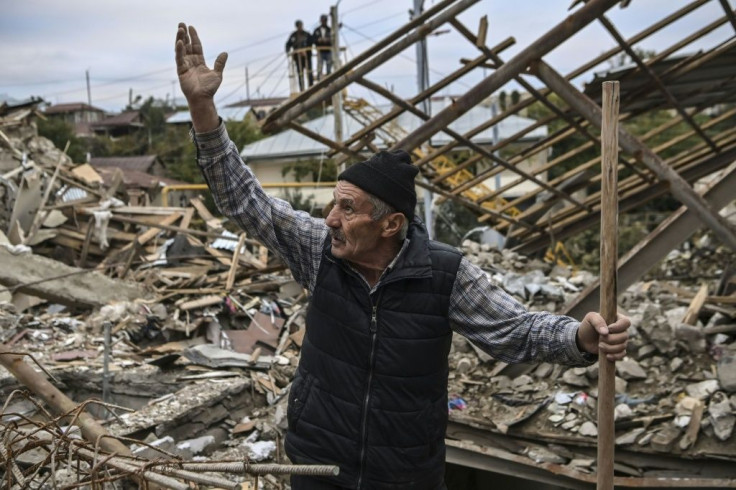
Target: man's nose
x: 332, y: 219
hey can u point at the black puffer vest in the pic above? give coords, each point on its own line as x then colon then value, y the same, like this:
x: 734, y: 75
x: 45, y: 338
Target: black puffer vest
x: 370, y: 394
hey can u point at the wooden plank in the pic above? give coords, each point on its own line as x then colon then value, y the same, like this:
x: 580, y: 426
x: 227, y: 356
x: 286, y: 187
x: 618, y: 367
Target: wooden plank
x: 609, y: 273
x: 209, y: 300
x: 147, y: 210
x: 147, y: 235
x: 263, y: 255
x: 85, y: 244
x: 691, y: 315
x: 234, y: 264
x: 220, y: 256
x: 480, y: 41
x: 204, y: 213
x: 186, y: 220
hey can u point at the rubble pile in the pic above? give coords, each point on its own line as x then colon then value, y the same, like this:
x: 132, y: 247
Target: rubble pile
x: 194, y: 331
x: 675, y: 392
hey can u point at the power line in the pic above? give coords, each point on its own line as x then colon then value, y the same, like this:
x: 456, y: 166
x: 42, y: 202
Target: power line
x: 407, y: 57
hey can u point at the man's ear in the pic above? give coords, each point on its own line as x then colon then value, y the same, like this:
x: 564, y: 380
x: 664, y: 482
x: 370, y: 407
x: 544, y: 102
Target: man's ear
x: 392, y: 224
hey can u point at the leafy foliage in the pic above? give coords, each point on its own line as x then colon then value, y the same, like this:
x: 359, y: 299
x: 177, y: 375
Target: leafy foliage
x: 325, y: 171
x: 170, y: 142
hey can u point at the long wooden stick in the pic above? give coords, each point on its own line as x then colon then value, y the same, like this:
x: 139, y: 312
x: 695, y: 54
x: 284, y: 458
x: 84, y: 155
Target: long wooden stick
x: 58, y: 401
x: 609, y: 276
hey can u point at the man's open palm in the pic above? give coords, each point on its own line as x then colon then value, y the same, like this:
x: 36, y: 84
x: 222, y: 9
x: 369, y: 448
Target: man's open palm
x: 197, y: 81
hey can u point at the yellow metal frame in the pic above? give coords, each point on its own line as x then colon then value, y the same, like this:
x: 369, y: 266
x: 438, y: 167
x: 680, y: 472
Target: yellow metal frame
x: 266, y: 185
x: 559, y: 251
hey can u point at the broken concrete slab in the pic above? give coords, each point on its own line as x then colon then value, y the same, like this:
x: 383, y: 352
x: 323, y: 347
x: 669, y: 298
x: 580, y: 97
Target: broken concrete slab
x: 703, y: 389
x: 727, y: 372
x: 664, y: 439
x: 63, y: 284
x: 629, y: 369
x: 629, y: 437
x: 721, y: 416
x: 214, y: 357
x: 692, y: 336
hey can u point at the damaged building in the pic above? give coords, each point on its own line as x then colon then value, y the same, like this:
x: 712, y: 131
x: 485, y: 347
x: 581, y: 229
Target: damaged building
x: 157, y: 344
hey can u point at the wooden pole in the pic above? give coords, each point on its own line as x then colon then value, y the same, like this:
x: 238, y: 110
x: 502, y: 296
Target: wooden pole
x: 58, y: 401
x: 609, y: 273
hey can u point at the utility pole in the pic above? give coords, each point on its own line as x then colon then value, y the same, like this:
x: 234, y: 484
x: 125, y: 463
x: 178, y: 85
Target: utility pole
x: 173, y: 94
x: 247, y: 84
x: 337, y: 98
x: 89, y: 92
x: 494, y: 112
x: 425, y: 106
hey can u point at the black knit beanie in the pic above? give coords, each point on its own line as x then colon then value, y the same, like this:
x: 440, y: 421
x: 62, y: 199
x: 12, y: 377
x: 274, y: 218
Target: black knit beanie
x: 388, y: 175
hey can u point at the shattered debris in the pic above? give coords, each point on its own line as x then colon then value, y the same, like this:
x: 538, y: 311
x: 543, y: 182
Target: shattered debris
x: 205, y: 329
x: 675, y: 391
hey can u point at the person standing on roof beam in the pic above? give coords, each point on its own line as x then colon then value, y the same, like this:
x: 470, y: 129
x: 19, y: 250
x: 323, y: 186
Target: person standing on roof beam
x: 299, y: 45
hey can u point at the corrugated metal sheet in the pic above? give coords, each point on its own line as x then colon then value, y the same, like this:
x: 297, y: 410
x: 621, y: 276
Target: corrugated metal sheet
x: 291, y: 144
x: 73, y: 194
x: 224, y: 243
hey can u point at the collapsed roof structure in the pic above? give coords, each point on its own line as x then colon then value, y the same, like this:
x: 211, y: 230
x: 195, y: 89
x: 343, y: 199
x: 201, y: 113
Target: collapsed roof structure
x: 685, y: 84
x: 652, y: 163
x: 529, y: 421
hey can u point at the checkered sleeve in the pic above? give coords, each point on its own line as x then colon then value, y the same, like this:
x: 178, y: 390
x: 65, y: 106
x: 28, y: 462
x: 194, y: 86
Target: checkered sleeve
x: 501, y: 326
x: 294, y: 235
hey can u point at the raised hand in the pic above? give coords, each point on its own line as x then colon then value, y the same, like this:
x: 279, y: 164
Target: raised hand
x: 198, y: 82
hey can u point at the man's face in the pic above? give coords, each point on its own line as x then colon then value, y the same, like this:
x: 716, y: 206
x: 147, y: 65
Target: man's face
x: 354, y: 233
x: 323, y: 20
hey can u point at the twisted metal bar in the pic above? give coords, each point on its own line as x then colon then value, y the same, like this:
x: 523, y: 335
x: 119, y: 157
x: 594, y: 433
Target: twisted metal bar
x: 261, y: 469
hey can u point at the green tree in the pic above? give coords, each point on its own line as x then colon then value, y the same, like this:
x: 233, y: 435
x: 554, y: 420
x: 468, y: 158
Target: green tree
x: 59, y: 132
x: 324, y: 172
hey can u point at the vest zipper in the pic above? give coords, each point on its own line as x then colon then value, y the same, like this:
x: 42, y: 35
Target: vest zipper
x: 366, y: 400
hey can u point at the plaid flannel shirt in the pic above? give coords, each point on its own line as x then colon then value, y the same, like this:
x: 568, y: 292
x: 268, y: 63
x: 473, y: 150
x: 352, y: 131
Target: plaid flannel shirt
x: 479, y: 310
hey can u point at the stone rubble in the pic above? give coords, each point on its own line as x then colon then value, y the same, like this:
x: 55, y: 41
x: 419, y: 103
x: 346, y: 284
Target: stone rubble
x: 226, y: 390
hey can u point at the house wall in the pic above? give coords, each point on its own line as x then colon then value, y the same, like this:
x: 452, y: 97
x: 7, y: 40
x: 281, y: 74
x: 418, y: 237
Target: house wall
x: 80, y: 116
x: 157, y: 169
x: 270, y: 172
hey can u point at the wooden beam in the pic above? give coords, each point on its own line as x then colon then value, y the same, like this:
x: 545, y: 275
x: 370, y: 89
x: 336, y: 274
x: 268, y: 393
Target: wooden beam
x: 629, y: 143
x: 655, y: 79
x: 516, y: 65
x: 729, y: 12
x: 691, y: 315
x: 58, y: 402
x: 654, y: 247
x: 470, y: 144
x: 234, y: 265
x: 394, y: 113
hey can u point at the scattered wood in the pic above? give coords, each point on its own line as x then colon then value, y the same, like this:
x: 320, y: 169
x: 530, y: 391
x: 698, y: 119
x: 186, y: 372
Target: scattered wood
x: 691, y: 316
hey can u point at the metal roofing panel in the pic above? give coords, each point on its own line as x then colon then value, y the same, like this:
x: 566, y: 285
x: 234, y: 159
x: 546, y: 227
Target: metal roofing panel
x: 290, y: 143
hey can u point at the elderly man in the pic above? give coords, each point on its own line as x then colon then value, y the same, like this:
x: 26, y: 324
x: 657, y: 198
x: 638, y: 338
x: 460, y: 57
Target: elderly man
x: 370, y: 393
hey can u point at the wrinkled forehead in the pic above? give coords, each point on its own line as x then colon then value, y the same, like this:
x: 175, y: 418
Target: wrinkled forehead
x: 344, y: 190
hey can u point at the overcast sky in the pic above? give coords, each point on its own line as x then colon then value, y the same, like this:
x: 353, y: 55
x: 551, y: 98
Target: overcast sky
x: 47, y: 45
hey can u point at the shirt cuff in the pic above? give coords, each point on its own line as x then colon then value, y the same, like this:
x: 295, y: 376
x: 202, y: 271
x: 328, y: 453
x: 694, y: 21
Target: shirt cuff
x: 575, y: 354
x: 212, y: 143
